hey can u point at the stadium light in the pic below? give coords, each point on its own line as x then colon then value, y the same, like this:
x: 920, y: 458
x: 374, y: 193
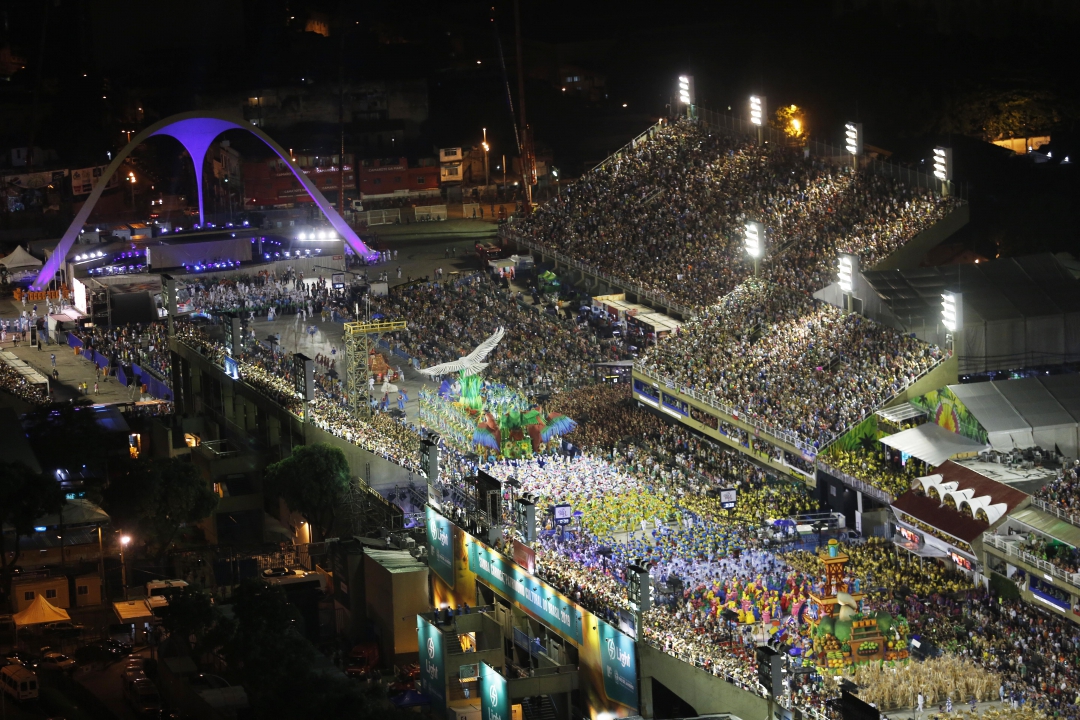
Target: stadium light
x: 686, y: 92
x: 943, y: 167
x: 844, y: 273
x: 853, y: 139
x: 754, y: 238
x: 952, y: 311
x: 758, y: 108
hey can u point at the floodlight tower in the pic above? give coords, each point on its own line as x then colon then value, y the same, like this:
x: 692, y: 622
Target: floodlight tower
x: 758, y: 110
x: 847, y: 268
x: 853, y: 141
x: 686, y: 95
x: 943, y: 168
x: 755, y: 242
x: 952, y: 318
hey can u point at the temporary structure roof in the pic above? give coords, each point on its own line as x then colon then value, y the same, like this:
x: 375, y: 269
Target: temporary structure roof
x: 932, y: 443
x: 899, y: 413
x: 39, y: 612
x: 19, y: 258
x: 129, y: 611
x: 1005, y: 428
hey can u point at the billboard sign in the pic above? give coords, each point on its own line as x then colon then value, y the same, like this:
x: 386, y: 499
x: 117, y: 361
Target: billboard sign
x: 563, y: 514
x: 440, y: 554
x: 494, y: 700
x: 535, y: 597
x: 619, y: 665
x: 432, y: 670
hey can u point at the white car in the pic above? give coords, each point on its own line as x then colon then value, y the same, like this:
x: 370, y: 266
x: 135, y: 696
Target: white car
x: 56, y: 661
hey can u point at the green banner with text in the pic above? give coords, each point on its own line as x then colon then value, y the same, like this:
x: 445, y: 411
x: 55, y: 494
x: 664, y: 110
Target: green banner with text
x: 619, y: 661
x: 440, y: 538
x: 432, y: 666
x: 494, y: 700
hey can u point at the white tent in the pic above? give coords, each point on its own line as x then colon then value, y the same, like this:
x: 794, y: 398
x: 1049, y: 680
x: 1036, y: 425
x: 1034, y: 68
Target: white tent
x: 19, y: 259
x: 1052, y: 425
x: 932, y: 443
x: 1005, y: 428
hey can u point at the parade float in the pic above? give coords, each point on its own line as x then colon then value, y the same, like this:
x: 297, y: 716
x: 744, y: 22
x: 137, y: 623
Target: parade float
x: 845, y: 632
x: 490, y: 419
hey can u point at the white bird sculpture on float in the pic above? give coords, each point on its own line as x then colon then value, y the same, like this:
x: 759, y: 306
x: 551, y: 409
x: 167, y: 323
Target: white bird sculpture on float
x: 472, y: 363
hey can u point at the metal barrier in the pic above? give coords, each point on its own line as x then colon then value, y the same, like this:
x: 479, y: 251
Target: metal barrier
x: 856, y: 484
x: 429, y: 213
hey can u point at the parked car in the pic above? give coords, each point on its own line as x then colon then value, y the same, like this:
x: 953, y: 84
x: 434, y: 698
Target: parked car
x: 142, y: 695
x: 98, y: 651
x: 123, y: 647
x: 363, y: 661
x: 63, y: 629
x: 21, y: 658
x: 18, y: 682
x: 133, y: 668
x: 56, y: 661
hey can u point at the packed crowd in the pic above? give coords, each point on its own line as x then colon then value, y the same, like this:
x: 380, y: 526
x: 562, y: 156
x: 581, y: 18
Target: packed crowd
x: 1064, y: 490
x: 17, y: 385
x: 1056, y: 553
x: 875, y: 469
x: 669, y: 214
x: 606, y: 415
x: 143, y: 345
x: 788, y: 363
x: 446, y: 321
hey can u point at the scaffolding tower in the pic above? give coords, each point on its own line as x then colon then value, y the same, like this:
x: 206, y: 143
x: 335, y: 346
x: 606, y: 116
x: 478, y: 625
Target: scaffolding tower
x: 358, y: 360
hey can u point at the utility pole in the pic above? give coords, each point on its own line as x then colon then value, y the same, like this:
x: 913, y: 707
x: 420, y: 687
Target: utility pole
x: 341, y: 120
x: 527, y: 158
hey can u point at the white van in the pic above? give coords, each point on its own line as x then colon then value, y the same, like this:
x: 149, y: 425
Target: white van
x: 18, y: 682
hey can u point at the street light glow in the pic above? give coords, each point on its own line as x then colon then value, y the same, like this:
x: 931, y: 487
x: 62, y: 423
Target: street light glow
x: 125, y: 539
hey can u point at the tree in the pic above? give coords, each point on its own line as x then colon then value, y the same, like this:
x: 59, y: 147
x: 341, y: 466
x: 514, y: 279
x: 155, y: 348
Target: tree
x: 156, y: 498
x: 312, y: 481
x: 25, y: 496
x: 189, y: 612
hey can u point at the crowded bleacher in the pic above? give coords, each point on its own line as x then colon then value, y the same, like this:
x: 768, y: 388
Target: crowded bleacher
x: 789, y: 363
x: 539, y: 352
x: 669, y: 215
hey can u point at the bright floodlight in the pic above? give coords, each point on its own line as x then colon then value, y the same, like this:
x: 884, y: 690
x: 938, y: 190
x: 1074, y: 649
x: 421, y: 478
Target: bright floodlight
x: 303, y: 236
x: 943, y: 163
x: 952, y: 311
x: 686, y: 89
x: 853, y: 140
x: 757, y: 110
x: 124, y: 539
x: 754, y: 234
x: 844, y: 273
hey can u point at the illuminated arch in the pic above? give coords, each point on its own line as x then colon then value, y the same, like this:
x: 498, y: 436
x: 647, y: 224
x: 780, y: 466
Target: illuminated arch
x: 196, y: 131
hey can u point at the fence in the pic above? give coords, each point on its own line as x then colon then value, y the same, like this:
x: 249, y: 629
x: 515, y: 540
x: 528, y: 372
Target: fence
x: 1011, y: 549
x: 630, y: 145
x: 793, y: 439
x: 856, y: 484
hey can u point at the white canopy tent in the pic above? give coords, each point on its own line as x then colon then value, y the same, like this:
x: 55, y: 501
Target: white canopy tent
x: 932, y: 443
x: 20, y: 259
x: 1051, y: 424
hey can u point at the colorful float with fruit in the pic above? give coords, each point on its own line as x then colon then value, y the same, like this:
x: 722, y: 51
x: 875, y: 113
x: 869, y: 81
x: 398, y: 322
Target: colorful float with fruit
x: 844, y: 630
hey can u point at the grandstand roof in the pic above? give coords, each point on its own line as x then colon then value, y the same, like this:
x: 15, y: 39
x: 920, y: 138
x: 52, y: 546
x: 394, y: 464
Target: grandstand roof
x: 959, y: 525
x: 1010, y: 288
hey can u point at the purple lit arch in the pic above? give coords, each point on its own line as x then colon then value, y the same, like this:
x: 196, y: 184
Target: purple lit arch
x: 196, y: 132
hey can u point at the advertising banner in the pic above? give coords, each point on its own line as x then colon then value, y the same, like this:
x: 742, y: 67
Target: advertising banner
x: 441, y: 558
x: 494, y: 701
x: 84, y: 180
x: 432, y: 670
x: 525, y: 556
x: 532, y: 595
x: 618, y: 659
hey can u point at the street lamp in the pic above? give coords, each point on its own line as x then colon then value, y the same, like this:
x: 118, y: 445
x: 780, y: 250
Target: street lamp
x: 131, y: 179
x: 758, y: 108
x: 487, y: 174
x: 853, y: 141
x: 754, y: 238
x: 555, y: 174
x: 124, y: 540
